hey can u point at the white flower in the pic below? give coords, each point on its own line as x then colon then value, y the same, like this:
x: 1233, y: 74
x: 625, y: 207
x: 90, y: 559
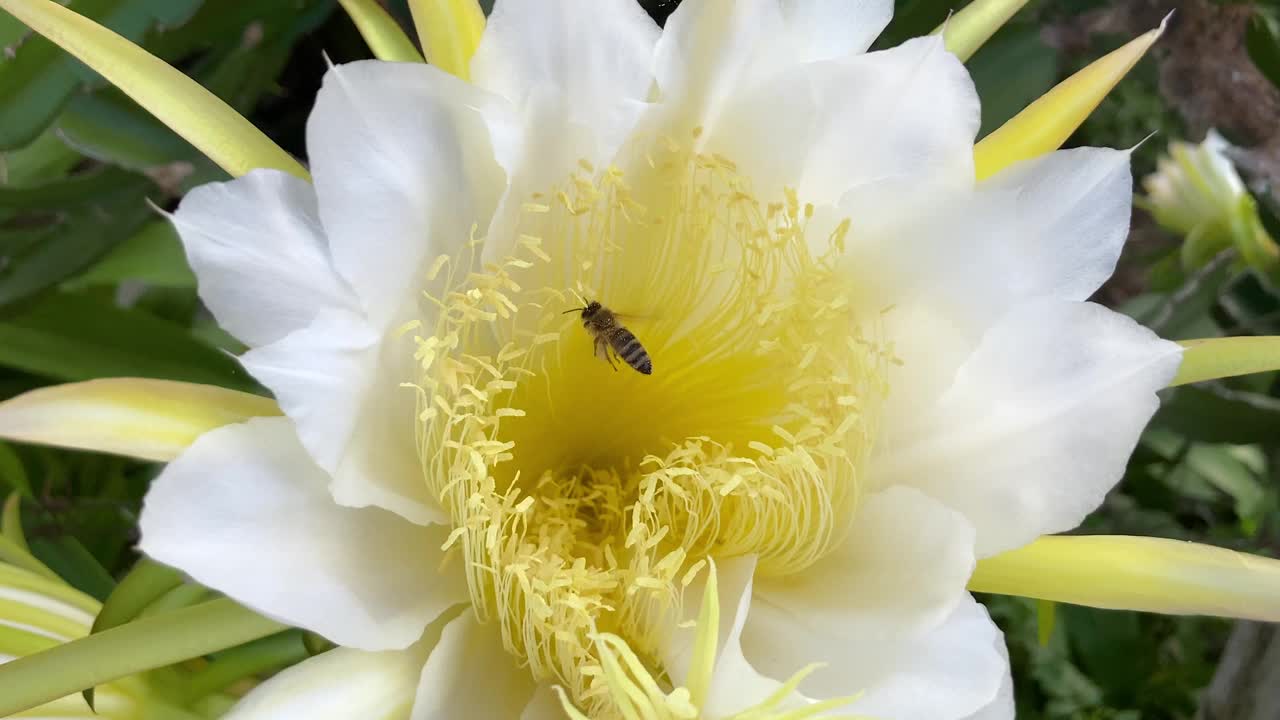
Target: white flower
x: 868, y: 370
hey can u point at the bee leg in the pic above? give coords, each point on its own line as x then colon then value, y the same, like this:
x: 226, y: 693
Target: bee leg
x: 602, y: 350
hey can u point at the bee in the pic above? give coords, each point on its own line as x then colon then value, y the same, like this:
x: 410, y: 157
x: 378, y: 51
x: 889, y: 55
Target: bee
x: 609, y: 334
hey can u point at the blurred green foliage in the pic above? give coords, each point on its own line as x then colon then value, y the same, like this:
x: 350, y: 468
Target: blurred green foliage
x: 93, y: 283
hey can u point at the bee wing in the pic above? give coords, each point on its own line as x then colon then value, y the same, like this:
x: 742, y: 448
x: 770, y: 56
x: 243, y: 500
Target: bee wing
x: 630, y: 318
x: 602, y: 349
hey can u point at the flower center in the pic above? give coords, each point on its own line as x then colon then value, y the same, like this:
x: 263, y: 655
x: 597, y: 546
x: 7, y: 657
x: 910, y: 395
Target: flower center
x: 583, y: 495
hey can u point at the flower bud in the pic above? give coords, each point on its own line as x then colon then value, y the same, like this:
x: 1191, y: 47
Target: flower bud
x: 1196, y: 192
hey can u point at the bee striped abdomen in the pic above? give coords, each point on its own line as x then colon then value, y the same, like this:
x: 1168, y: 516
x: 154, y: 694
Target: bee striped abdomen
x: 627, y: 347
x: 608, y: 334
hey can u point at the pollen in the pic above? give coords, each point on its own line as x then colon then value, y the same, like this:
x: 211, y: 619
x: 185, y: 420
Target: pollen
x: 583, y: 497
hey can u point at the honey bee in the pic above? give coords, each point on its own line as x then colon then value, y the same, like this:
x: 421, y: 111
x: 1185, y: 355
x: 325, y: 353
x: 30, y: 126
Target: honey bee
x: 609, y: 334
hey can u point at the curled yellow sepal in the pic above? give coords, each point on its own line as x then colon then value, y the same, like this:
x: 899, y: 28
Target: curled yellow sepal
x: 1137, y: 573
x: 380, y: 31
x: 969, y: 29
x: 1047, y: 123
x: 1213, y: 358
x: 450, y: 32
x: 136, y: 417
x: 196, y: 114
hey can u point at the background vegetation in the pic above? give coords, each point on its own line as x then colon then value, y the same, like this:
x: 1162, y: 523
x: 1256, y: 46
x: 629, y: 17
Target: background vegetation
x: 94, y: 284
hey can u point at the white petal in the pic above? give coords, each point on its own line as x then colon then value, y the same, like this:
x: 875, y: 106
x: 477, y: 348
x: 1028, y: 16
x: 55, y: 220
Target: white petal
x: 735, y: 684
x: 404, y: 168
x: 924, y: 279
x: 1039, y: 423
x: 591, y: 57
x: 342, y: 389
x: 1070, y: 211
x: 470, y: 675
x: 545, y: 705
x: 1002, y: 707
x: 948, y: 674
x: 579, y: 73
x: 707, y: 52
x: 823, y: 29
x: 339, y: 684
x: 246, y: 512
x: 1050, y: 227
x: 898, y: 576
x: 894, y: 126
x: 259, y: 254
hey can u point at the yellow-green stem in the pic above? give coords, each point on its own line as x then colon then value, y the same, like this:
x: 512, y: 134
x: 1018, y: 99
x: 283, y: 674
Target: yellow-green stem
x: 146, y: 644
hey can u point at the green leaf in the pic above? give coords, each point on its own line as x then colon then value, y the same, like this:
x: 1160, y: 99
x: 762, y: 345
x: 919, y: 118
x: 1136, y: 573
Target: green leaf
x: 1220, y: 357
x: 179, y: 597
x: 260, y: 656
x: 34, y: 260
x: 39, y: 79
x: 1046, y: 615
x: 73, y: 562
x: 13, y: 555
x: 220, y: 28
x: 11, y: 521
x: 12, y: 472
x: 108, y: 126
x: 94, y: 188
x: 1109, y: 646
x: 1186, y: 312
x: 913, y: 18
x: 1228, y: 469
x: 34, y: 85
x: 1216, y: 414
x: 316, y: 644
x: 1205, y: 242
x: 11, y: 31
x: 1252, y: 308
x: 142, y: 645
x: 145, y: 583
x: 73, y: 337
x: 154, y: 256
x: 1013, y: 69
x: 242, y: 72
x: 44, y: 159
x: 1262, y: 40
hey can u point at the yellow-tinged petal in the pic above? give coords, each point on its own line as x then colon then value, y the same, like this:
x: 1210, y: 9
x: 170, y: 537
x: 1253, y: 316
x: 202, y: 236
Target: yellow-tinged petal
x: 377, y: 27
x: 1047, y: 123
x: 1137, y: 573
x: 142, y: 418
x: 1213, y: 358
x: 967, y: 30
x: 450, y: 32
x: 178, y: 101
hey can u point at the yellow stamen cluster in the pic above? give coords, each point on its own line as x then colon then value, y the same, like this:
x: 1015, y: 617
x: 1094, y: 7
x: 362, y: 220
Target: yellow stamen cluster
x: 639, y: 696
x: 583, y: 497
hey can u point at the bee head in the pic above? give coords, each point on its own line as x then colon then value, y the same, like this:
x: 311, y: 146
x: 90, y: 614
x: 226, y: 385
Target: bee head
x: 587, y: 310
